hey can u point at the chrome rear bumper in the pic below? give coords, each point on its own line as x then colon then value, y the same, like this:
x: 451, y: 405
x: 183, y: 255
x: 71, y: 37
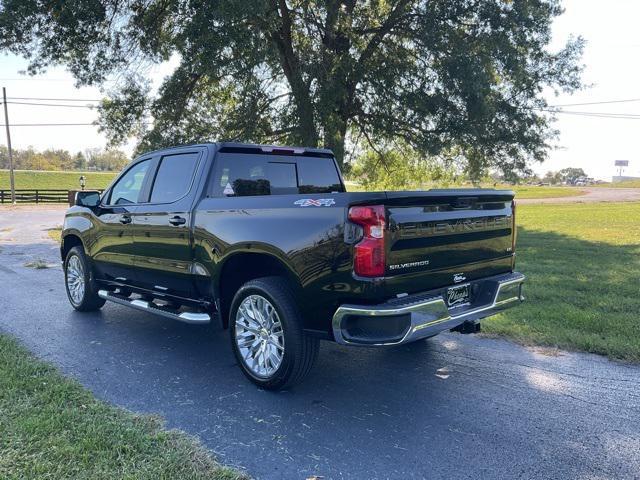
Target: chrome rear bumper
x: 424, y: 315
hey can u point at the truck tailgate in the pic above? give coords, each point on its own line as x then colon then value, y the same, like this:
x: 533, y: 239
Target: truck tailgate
x: 439, y: 238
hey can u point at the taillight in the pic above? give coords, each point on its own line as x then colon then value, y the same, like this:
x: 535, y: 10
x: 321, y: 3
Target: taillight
x: 369, y: 254
x: 514, y: 227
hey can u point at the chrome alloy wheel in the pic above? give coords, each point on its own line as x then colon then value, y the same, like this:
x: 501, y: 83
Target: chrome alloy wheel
x: 75, y: 279
x: 259, y: 336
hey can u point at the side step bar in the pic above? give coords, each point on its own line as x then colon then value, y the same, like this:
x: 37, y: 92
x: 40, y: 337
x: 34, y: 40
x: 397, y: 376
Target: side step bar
x: 187, y: 317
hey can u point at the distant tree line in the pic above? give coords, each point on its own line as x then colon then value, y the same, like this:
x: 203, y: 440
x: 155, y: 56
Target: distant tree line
x: 94, y: 159
x: 566, y: 175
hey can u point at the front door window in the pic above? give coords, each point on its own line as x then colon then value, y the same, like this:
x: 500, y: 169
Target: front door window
x: 127, y: 189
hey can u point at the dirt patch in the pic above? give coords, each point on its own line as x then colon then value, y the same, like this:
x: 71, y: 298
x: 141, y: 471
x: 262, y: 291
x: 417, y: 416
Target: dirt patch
x: 547, y: 351
x: 39, y: 264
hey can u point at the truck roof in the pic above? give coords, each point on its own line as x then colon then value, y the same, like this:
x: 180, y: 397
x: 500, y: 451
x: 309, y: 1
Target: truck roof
x: 251, y: 147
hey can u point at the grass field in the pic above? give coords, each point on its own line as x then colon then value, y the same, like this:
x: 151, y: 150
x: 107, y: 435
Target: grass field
x: 55, y: 234
x: 55, y: 180
x: 583, y: 267
x: 545, y: 192
x: 52, y: 428
x: 629, y: 184
x: 521, y: 191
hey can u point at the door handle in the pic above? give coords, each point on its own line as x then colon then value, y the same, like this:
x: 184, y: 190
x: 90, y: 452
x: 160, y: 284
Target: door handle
x: 177, y: 220
x: 125, y: 219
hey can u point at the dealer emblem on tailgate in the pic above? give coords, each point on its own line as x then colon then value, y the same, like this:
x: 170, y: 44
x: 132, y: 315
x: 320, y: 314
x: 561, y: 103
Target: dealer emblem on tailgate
x: 458, y: 295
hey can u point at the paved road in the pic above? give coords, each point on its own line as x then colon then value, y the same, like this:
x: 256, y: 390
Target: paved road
x: 453, y: 407
x: 593, y: 194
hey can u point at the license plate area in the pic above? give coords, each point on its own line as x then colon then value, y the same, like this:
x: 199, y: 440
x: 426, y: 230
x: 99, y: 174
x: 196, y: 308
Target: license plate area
x: 458, y: 295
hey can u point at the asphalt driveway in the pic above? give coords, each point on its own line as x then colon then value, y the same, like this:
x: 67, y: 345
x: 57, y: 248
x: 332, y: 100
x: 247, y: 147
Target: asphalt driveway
x: 452, y: 407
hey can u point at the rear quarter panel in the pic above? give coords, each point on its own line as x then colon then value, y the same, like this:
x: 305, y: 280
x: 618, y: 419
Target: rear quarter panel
x: 309, y: 241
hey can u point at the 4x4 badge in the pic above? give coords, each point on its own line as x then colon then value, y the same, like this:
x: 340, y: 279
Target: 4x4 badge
x: 315, y: 202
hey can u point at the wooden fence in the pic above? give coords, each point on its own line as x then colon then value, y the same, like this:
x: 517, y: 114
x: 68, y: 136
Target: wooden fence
x: 36, y: 196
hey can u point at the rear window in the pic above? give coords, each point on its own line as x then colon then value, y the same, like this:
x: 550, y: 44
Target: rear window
x: 242, y: 174
x: 318, y: 175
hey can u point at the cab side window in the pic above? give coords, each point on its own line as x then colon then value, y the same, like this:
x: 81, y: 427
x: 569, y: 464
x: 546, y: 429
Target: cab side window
x: 174, y: 177
x: 127, y: 190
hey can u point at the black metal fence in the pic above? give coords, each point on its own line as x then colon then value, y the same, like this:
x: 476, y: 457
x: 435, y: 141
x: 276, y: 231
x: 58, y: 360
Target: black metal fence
x: 36, y: 196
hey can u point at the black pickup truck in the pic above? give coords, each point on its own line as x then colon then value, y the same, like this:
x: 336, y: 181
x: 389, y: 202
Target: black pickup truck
x: 266, y: 241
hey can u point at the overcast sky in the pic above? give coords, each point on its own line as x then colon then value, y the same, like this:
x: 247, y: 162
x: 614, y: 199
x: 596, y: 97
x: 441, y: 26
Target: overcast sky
x: 611, y: 57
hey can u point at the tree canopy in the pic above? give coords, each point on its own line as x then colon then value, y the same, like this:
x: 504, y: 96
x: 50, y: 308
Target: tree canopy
x: 434, y: 75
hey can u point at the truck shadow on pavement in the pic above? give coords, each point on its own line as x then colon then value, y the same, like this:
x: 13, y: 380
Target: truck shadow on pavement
x: 450, y: 407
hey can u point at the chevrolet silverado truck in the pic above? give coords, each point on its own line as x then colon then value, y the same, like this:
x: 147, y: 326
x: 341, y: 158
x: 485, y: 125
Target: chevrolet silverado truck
x: 267, y: 242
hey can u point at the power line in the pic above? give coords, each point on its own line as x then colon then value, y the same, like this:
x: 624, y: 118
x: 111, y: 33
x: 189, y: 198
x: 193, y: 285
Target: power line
x: 599, y: 115
x: 57, y: 124
x: 57, y: 99
x: 32, y: 79
x: 49, y: 124
x: 52, y: 105
x: 590, y: 114
x: 628, y: 100
x: 616, y: 114
x: 608, y: 114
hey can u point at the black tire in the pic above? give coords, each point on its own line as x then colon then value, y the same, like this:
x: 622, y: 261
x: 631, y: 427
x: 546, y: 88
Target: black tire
x: 300, y: 350
x: 89, y: 300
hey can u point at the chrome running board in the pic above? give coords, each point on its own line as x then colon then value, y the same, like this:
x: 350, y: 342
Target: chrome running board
x: 145, y: 306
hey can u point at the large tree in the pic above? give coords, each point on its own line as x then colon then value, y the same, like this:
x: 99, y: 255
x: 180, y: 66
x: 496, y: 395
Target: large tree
x: 435, y: 75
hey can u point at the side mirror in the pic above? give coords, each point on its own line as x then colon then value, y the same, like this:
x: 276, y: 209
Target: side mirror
x: 88, y: 199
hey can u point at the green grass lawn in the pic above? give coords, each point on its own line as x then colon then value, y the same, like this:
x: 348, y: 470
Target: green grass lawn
x: 32, y: 179
x: 583, y: 267
x: 55, y: 234
x: 628, y: 184
x: 521, y: 191
x: 545, y: 192
x: 52, y: 428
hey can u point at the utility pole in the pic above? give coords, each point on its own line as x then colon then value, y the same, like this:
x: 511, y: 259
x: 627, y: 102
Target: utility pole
x: 6, y: 122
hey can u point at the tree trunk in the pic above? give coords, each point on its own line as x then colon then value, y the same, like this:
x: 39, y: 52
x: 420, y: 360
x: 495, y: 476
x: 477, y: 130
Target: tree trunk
x: 335, y: 130
x: 306, y: 127
x: 291, y: 66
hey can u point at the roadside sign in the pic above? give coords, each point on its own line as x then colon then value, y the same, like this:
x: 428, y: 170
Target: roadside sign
x: 622, y: 163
